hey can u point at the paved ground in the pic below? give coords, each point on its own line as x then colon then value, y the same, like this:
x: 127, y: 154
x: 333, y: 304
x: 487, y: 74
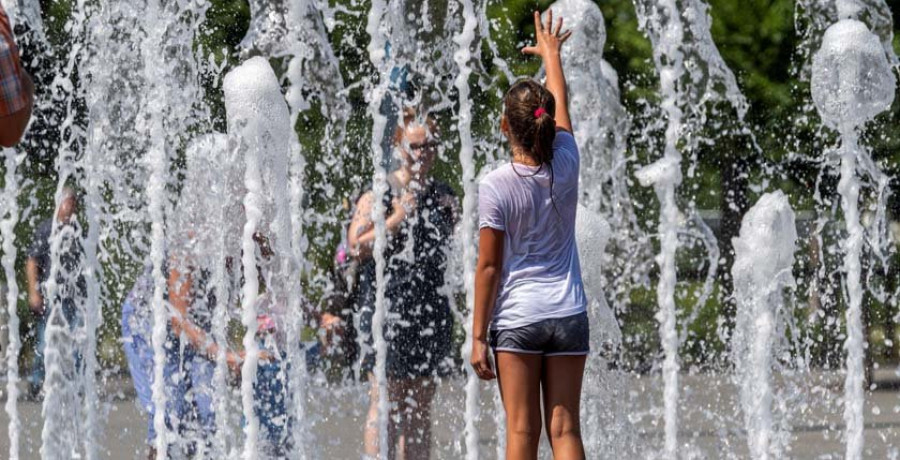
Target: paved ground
x: 709, y: 426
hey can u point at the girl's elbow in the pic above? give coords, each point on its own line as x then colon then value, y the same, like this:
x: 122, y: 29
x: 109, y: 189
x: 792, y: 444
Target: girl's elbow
x: 488, y: 269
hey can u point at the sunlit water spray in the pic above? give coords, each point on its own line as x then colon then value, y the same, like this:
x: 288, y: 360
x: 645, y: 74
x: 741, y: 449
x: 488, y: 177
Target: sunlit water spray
x: 142, y: 114
x: 8, y: 235
x: 378, y: 28
x: 465, y: 40
x: 664, y: 176
x: 852, y: 82
x: 260, y: 121
x: 764, y: 257
x: 64, y: 334
x: 693, y: 76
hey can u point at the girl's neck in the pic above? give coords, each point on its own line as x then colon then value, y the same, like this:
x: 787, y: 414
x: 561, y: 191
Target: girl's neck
x: 523, y: 156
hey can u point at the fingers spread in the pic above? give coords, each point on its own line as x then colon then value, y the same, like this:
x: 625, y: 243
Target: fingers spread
x: 565, y: 36
x: 537, y: 23
x: 549, y: 27
x: 530, y: 50
x: 559, y: 25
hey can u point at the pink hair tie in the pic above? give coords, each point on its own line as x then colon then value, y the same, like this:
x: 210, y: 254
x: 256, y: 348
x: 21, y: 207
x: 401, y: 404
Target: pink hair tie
x: 540, y: 111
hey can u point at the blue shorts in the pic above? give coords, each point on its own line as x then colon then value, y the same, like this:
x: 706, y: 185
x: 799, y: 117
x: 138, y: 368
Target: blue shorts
x: 139, y: 354
x: 187, y: 377
x: 567, y: 336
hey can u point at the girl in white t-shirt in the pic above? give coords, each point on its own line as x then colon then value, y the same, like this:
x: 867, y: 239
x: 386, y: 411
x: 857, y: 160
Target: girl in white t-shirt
x: 528, y: 280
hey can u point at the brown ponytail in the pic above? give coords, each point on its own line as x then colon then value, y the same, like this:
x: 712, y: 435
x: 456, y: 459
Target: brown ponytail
x: 530, y: 111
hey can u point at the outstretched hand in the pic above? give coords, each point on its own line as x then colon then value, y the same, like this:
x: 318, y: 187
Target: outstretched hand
x: 549, y: 39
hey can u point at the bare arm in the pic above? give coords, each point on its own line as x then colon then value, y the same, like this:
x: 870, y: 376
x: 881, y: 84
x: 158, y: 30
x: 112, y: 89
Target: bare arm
x: 12, y: 127
x: 179, y: 285
x: 549, y: 42
x: 35, y: 301
x: 487, y: 280
x: 361, y: 233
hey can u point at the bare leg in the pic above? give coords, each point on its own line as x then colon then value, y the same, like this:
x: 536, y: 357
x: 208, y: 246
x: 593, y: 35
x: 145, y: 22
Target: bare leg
x: 519, y: 376
x: 400, y: 393
x: 417, y: 419
x: 370, y: 435
x: 561, y: 380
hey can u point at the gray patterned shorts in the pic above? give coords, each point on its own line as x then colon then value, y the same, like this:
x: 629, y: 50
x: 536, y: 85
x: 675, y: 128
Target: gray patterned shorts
x: 551, y: 337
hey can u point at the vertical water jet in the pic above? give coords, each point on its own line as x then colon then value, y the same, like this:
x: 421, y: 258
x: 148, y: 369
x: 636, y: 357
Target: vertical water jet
x: 7, y: 232
x: 852, y: 82
x: 764, y: 257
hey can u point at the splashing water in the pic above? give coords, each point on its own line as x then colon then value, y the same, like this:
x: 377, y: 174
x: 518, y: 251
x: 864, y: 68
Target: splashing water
x: 462, y: 56
x: 378, y: 30
x: 764, y: 258
x: 664, y: 176
x: 852, y: 82
x: 601, y: 126
x: 146, y: 154
x: 7, y: 227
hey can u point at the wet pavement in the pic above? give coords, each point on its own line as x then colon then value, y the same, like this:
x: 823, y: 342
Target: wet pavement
x: 709, y: 426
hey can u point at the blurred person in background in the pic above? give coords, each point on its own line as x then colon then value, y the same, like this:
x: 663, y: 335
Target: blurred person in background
x: 137, y: 324
x: 70, y: 280
x: 421, y: 215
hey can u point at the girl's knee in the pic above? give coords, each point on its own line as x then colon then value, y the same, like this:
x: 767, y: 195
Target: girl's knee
x: 563, y: 424
x: 524, y: 430
x: 526, y: 438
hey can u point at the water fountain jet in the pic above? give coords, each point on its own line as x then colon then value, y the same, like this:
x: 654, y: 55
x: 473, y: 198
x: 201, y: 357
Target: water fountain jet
x: 764, y: 257
x: 852, y: 82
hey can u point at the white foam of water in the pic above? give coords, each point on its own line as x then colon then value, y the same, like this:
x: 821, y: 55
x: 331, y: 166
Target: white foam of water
x: 852, y: 81
x: 592, y: 232
x: 157, y: 164
x: 605, y: 426
x: 465, y: 40
x: 378, y: 30
x: 8, y: 235
x: 26, y: 12
x: 764, y: 256
x: 268, y: 28
x: 879, y: 18
x: 258, y: 119
x: 665, y: 175
x: 212, y: 214
x: 600, y: 121
x: 93, y: 314
x: 62, y: 339
x: 601, y: 128
x: 313, y: 69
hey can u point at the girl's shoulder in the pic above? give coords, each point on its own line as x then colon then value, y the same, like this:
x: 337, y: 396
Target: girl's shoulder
x: 499, y: 173
x: 565, y: 139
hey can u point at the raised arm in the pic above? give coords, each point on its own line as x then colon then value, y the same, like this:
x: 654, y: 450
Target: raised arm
x: 549, y: 42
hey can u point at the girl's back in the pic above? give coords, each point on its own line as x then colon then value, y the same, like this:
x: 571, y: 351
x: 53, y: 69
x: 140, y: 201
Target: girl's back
x: 541, y: 276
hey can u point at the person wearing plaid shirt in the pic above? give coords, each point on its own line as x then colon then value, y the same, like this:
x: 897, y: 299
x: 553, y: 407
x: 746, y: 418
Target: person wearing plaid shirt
x: 16, y: 88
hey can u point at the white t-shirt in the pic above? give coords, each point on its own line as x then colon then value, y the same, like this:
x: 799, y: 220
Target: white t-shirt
x: 541, y: 274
